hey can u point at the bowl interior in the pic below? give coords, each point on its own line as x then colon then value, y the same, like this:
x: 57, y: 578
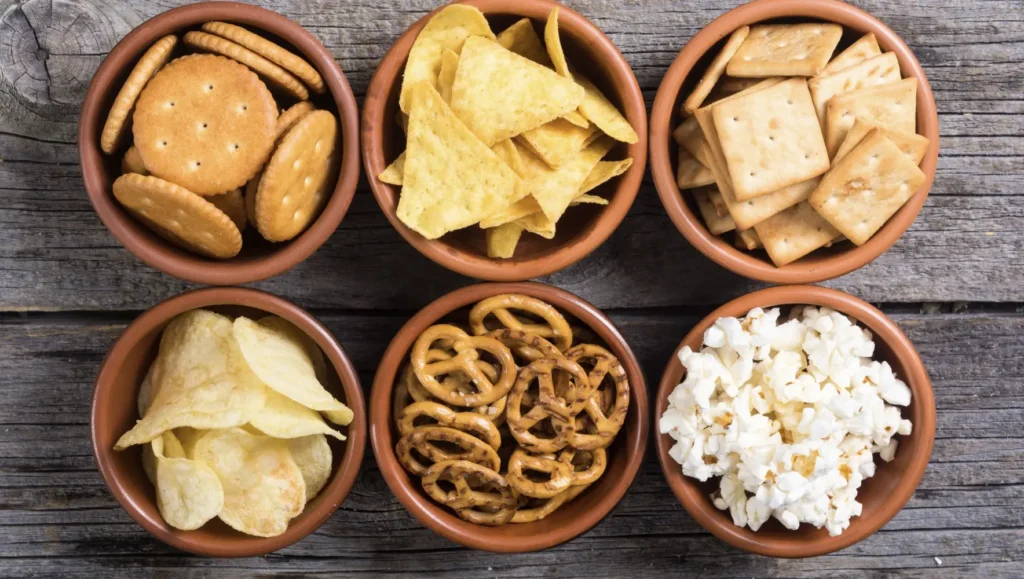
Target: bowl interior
x: 572, y: 519
x: 844, y: 256
x: 102, y: 170
x: 882, y: 495
x: 589, y: 59
x: 117, y: 396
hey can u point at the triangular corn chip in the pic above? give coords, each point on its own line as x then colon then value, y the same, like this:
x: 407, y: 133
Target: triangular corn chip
x: 522, y: 39
x: 556, y: 141
x: 602, y: 172
x: 395, y: 172
x: 554, y: 189
x: 446, y: 76
x: 502, y: 240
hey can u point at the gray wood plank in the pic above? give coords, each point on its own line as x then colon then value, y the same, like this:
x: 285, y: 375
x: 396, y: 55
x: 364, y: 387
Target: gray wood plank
x: 57, y: 518
x: 54, y: 253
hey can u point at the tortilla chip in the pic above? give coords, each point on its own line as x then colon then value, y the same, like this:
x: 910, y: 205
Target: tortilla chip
x: 445, y: 78
x: 557, y: 141
x: 588, y: 199
x: 452, y: 179
x: 554, y: 189
x: 603, y: 172
x: 577, y: 119
x: 522, y: 39
x: 525, y: 206
x: 506, y: 151
x: 502, y: 240
x: 554, y: 45
x: 499, y: 94
x: 538, y: 224
x: 448, y: 29
x: 600, y: 111
x: 394, y: 173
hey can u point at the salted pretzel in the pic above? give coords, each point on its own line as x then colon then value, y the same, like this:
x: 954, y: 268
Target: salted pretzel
x: 468, y: 422
x: 587, y: 465
x: 457, y: 382
x: 529, y: 346
x: 575, y: 491
x: 561, y: 410
x: 607, y: 420
x: 557, y: 329
x: 542, y: 507
x: 467, y: 354
x: 560, y: 474
x: 492, y: 502
x: 421, y: 439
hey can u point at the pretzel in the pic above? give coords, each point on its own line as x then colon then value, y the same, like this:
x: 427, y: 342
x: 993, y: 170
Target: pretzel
x: 575, y: 491
x: 465, y: 421
x: 409, y: 390
x: 466, y: 355
x: 493, y: 503
x: 593, y: 463
x: 530, y: 346
x: 472, y: 449
x: 561, y: 475
x: 607, y: 420
x: 560, y: 409
x: 556, y: 330
x: 546, y: 507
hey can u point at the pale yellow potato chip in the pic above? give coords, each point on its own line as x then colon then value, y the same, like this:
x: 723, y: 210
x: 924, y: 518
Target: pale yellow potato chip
x: 446, y: 76
x: 499, y: 94
x: 284, y: 365
x: 282, y: 417
x: 502, y: 240
x: 557, y: 141
x: 506, y: 151
x: 188, y: 437
x: 448, y: 29
x: 312, y: 348
x: 394, y: 174
x: 525, y: 206
x: 263, y: 487
x: 146, y: 393
x: 588, y: 200
x: 864, y: 48
x: 554, y: 189
x: 200, y: 379
x: 600, y: 111
x: 603, y: 172
x: 314, y: 458
x: 553, y: 42
x: 452, y: 179
x: 522, y: 39
x: 538, y: 224
x: 188, y: 492
x: 172, y: 446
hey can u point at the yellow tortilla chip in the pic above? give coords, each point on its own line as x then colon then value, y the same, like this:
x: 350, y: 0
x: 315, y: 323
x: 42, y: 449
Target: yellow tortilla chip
x: 557, y: 141
x: 499, y: 94
x: 502, y: 240
x: 394, y: 173
x: 506, y: 151
x: 554, y: 45
x: 449, y: 29
x: 554, y: 189
x: 445, y: 78
x: 538, y: 224
x: 588, y: 199
x: 600, y: 111
x: 603, y: 172
x: 452, y: 179
x: 525, y: 206
x: 522, y: 39
x: 577, y: 119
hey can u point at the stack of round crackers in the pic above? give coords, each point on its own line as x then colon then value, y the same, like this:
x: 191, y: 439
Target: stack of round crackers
x: 212, y: 150
x: 796, y: 150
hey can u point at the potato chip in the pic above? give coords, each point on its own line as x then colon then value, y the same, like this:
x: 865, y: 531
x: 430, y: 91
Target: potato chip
x: 146, y: 393
x: 200, y: 379
x: 604, y: 171
x: 448, y: 29
x: 263, y: 486
x: 452, y: 179
x: 557, y: 141
x: 313, y: 456
x: 187, y: 438
x: 284, y: 365
x: 446, y: 76
x: 554, y: 189
x: 554, y: 45
x: 188, y: 492
x: 499, y: 94
x: 282, y: 417
x: 502, y: 240
x: 316, y: 355
x: 522, y: 39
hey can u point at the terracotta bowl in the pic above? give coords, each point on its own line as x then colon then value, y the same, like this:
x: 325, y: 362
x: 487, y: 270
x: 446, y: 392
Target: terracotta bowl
x: 583, y: 228
x: 624, y: 456
x: 882, y: 495
x: 259, y: 259
x: 114, y: 413
x: 683, y: 75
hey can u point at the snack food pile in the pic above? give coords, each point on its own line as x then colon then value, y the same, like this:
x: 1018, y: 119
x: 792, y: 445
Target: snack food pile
x: 511, y: 420
x: 500, y: 131
x: 206, y: 125
x: 796, y: 150
x: 231, y: 422
x: 789, y: 415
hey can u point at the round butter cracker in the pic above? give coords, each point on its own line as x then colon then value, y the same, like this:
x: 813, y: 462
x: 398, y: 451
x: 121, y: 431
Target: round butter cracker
x: 291, y: 116
x: 132, y: 162
x: 179, y: 216
x: 250, y: 198
x: 270, y: 71
x: 295, y: 180
x: 117, y: 120
x: 233, y: 205
x: 289, y: 61
x: 206, y: 123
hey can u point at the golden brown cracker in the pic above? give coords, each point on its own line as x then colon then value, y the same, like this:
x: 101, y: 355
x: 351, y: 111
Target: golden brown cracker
x: 793, y: 233
x: 715, y: 70
x: 232, y: 204
x: 251, y: 188
x: 268, y: 70
x: 785, y: 50
x: 892, y: 105
x: 914, y: 146
x: 116, y: 124
x: 690, y: 137
x: 748, y: 239
x: 690, y: 173
x: 287, y: 60
x: 291, y: 116
x: 882, y: 69
x: 864, y: 48
x: 717, y: 225
x: 132, y: 162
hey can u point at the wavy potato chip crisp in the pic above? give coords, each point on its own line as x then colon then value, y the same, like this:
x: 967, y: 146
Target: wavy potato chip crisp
x: 313, y: 456
x: 448, y: 29
x: 263, y: 486
x: 282, y: 417
x: 316, y: 355
x: 188, y: 492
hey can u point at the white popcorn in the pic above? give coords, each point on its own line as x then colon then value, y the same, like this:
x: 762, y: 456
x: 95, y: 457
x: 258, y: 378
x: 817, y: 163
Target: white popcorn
x: 788, y: 415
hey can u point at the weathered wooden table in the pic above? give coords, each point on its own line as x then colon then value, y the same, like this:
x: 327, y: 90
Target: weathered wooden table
x: 954, y: 283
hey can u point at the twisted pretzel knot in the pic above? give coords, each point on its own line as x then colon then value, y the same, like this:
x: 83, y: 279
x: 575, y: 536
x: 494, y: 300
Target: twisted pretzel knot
x: 587, y: 465
x: 561, y: 474
x: 457, y: 383
x: 467, y: 354
x: 560, y: 409
x: 468, y: 422
x: 471, y: 448
x: 607, y: 419
x: 556, y: 330
x: 530, y: 346
x: 528, y: 514
x: 492, y: 502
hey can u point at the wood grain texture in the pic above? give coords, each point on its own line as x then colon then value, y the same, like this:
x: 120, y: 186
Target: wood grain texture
x: 57, y: 518
x: 55, y: 254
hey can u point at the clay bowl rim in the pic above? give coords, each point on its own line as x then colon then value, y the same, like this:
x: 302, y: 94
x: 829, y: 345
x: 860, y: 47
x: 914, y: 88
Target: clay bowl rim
x: 332, y: 495
x: 810, y: 269
x: 436, y: 517
x: 147, y: 246
x: 689, y: 492
x: 571, y: 250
